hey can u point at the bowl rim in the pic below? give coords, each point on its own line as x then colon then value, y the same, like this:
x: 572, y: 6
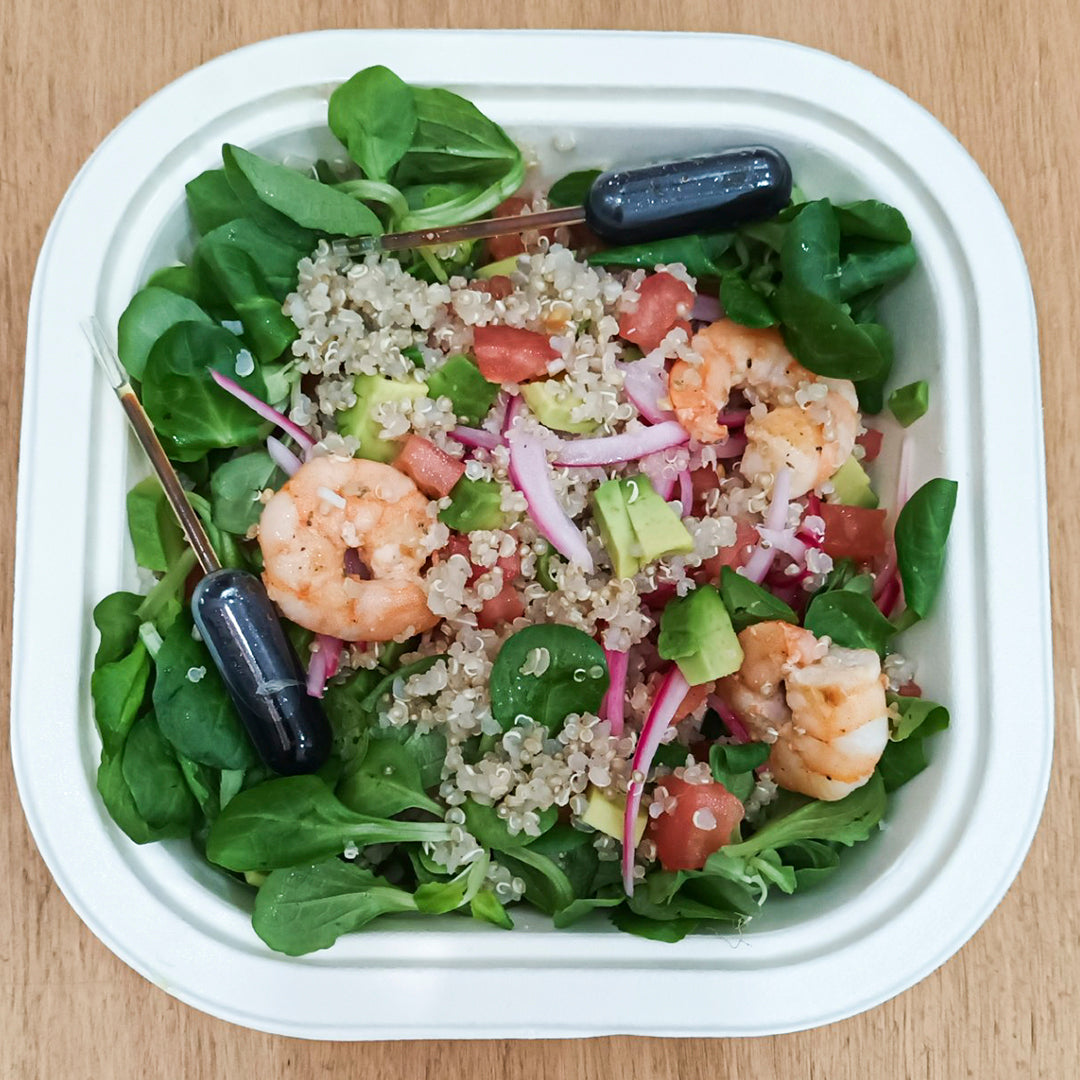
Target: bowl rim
x: 1005, y: 326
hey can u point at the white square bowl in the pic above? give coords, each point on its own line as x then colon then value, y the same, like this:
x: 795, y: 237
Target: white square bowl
x: 955, y: 836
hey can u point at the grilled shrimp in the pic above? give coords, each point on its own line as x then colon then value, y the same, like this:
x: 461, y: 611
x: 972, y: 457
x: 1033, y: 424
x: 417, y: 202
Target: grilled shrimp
x: 343, y: 546
x: 810, y: 423
x: 822, y: 707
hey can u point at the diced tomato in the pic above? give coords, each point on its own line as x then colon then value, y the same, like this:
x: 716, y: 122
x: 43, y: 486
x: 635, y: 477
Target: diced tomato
x: 506, y: 354
x: 853, y: 532
x: 506, y: 606
x: 870, y: 440
x: 458, y: 544
x: 664, y: 302
x: 695, y: 696
x: 746, y: 537
x: 682, y: 840
x: 656, y: 599
x: 433, y: 470
x: 910, y: 689
x: 502, y: 247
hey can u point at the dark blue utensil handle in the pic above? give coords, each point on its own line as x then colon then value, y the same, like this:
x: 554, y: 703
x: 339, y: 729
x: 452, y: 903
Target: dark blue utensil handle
x: 263, y: 674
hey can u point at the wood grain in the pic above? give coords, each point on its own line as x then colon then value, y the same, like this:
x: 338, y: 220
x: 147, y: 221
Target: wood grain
x: 1004, y: 78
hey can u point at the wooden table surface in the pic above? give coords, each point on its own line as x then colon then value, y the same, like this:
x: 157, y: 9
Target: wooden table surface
x: 1004, y: 78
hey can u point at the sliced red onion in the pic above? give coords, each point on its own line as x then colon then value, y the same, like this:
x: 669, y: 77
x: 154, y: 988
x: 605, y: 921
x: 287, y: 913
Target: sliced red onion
x: 515, y: 409
x: 267, y: 412
x: 663, y: 479
x: 731, y: 721
x: 613, y: 449
x: 478, y: 438
x: 613, y: 707
x: 282, y: 456
x: 323, y: 665
x: 887, y: 588
x: 784, y: 540
x: 645, y: 383
x: 761, y: 559
x: 531, y: 475
x: 686, y: 492
x: 673, y: 688
x: 707, y: 308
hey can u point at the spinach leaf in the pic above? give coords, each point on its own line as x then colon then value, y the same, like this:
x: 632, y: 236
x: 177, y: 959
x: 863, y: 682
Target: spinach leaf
x: 296, y: 819
x: 274, y: 258
x: 240, y: 280
x: 575, y: 677
x: 485, y: 907
x: 474, y: 504
x: 426, y: 748
x: 845, y: 821
x: 385, y: 782
x: 629, y: 922
x: 190, y: 411
x: 197, y: 717
x: 211, y: 201
x: 349, y: 717
x: 470, y: 394
x: 748, y: 603
x: 152, y: 526
x: 733, y: 766
x: 120, y: 803
x: 581, y: 907
x: 702, y: 254
x: 922, y: 528
x: 573, y: 189
x: 374, y: 115
x: 851, y: 619
x: 153, y: 776
x: 149, y: 314
x: 573, y: 853
x: 823, y: 337
x: 546, y: 886
x: 871, y: 391
x: 871, y: 264
x: 117, y: 619
x: 454, y: 141
x: 179, y: 279
x: 873, y: 220
x: 743, y: 303
x: 812, y: 860
x: 309, y: 203
x: 490, y: 830
x: 917, y: 715
x: 118, y: 690
x: 304, y: 908
x: 810, y: 252
x: 235, y: 487
x: 905, y: 754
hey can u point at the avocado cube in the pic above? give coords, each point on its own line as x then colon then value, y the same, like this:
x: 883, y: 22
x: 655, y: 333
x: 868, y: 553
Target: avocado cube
x: 851, y: 486
x: 553, y: 405
x: 658, y: 528
x: 696, y: 632
x: 361, y: 420
x: 605, y: 813
x: 616, y: 532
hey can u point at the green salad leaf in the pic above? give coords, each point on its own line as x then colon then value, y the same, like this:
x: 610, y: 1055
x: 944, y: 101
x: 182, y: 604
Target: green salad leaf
x: 470, y: 394
x: 150, y: 313
x: 385, y: 781
x: 301, y: 909
x: 236, y: 487
x: 374, y: 115
x: 748, y: 603
x: 572, y: 189
x: 573, y: 680
x: 922, y: 528
x: 193, y: 707
x: 474, y: 504
x: 733, y: 766
x: 850, y: 618
x: 296, y: 819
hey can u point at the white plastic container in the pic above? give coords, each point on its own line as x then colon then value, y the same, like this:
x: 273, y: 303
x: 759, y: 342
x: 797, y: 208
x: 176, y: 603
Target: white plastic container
x: 955, y: 836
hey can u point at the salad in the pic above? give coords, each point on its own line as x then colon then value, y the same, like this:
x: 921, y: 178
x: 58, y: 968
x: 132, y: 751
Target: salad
x: 578, y: 543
